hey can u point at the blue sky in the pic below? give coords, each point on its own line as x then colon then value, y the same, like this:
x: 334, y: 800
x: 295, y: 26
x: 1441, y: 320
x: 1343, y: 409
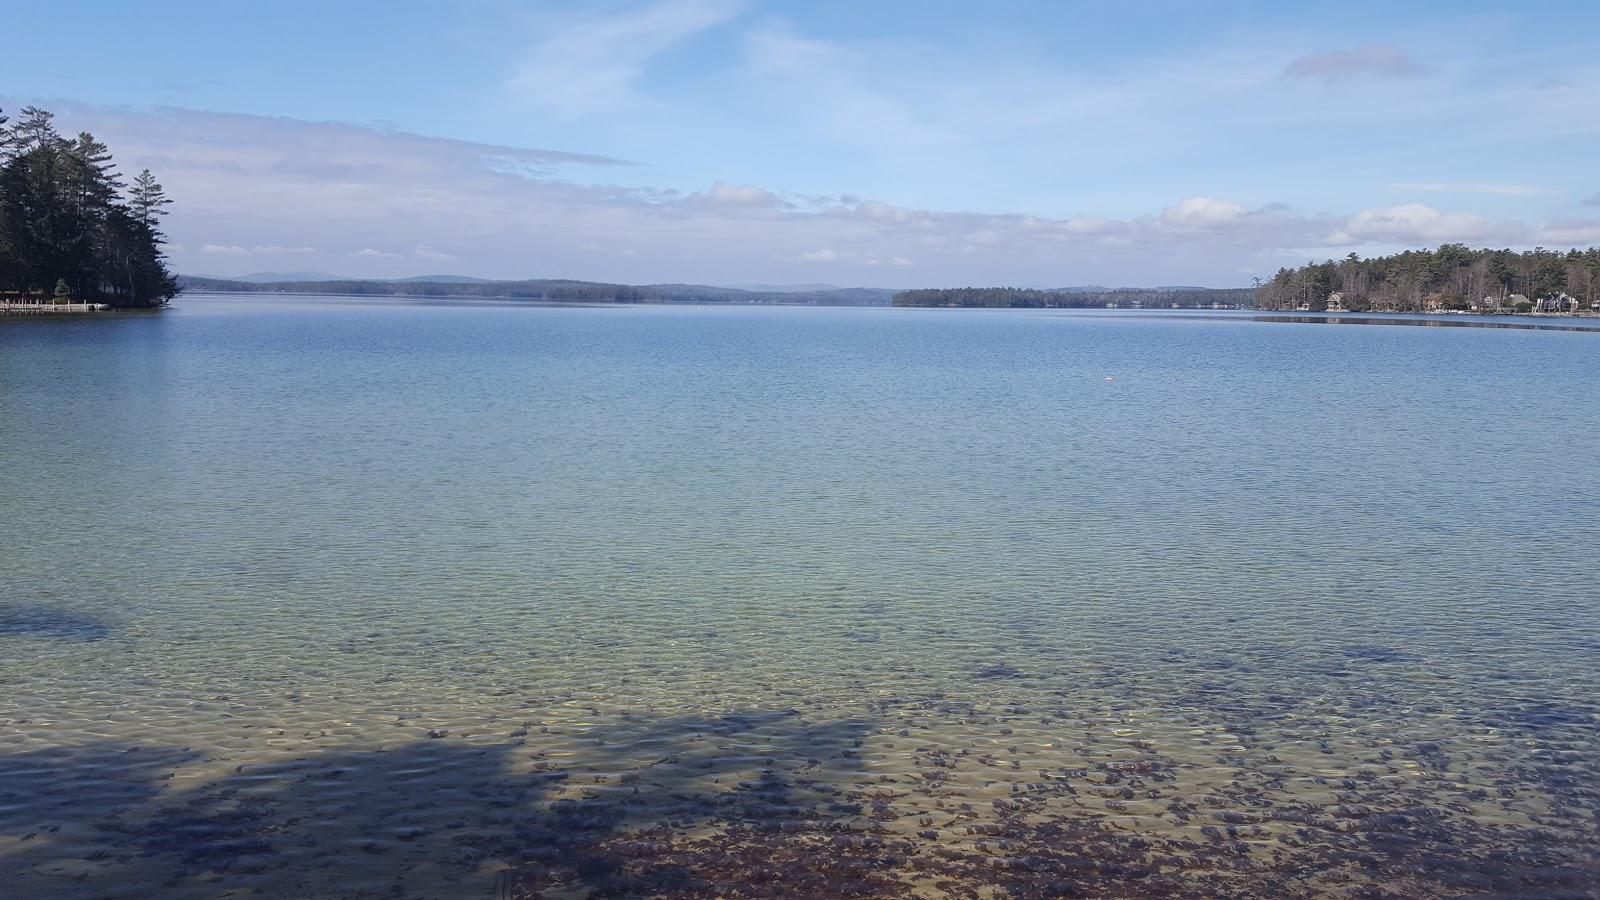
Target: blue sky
x: 887, y: 143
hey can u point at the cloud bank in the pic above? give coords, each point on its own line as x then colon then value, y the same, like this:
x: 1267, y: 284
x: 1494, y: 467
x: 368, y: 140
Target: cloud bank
x: 367, y: 202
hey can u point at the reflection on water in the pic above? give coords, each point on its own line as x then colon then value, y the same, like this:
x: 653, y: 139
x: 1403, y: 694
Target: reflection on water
x: 1444, y: 321
x: 421, y: 601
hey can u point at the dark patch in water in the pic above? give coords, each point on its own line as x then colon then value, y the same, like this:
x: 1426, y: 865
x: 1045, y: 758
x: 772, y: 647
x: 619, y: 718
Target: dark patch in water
x: 44, y: 621
x: 1380, y: 654
x: 802, y: 818
x: 1542, y: 716
x: 999, y: 670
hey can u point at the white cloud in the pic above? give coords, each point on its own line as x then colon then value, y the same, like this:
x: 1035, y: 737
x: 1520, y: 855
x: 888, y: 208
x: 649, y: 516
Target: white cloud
x: 1202, y: 212
x: 824, y: 255
x: 224, y: 249
x: 1416, y: 223
x: 1090, y: 225
x: 1569, y: 234
x: 371, y: 253
x: 737, y: 196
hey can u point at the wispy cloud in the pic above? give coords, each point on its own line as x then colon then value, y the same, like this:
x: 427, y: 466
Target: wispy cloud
x: 589, y: 63
x: 1361, y: 62
x: 1593, y: 200
x: 1499, y: 190
x: 434, y: 255
x: 256, y: 250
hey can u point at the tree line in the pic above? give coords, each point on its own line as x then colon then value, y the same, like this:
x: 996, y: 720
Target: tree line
x: 1029, y: 298
x: 1451, y: 277
x: 70, y: 226
x: 550, y: 289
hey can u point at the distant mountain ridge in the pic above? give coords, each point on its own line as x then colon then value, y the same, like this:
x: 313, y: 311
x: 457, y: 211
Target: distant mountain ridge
x: 268, y: 277
x: 1161, y: 288
x: 785, y: 288
x: 304, y: 277
x: 544, y: 289
x: 440, y: 279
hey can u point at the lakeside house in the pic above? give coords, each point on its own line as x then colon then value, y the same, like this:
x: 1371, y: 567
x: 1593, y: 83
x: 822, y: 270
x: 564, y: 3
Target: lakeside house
x: 1558, y: 305
x: 1336, y: 302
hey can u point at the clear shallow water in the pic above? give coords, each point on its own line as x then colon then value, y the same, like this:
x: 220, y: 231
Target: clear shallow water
x: 312, y: 597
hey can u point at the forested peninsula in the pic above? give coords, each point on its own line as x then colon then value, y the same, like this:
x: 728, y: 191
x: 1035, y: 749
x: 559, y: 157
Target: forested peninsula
x: 71, y: 229
x: 1451, y: 278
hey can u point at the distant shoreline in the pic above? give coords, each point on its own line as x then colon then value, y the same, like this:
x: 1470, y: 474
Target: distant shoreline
x: 1540, y: 322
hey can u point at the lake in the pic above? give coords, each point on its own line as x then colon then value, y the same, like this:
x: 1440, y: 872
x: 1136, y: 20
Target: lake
x: 337, y: 597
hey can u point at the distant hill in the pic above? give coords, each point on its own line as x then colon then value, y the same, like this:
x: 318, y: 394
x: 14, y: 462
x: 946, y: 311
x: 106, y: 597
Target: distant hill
x: 1166, y: 288
x: 302, y: 277
x: 827, y: 296
x: 557, y: 290
x: 267, y: 277
x: 785, y: 288
x: 554, y: 290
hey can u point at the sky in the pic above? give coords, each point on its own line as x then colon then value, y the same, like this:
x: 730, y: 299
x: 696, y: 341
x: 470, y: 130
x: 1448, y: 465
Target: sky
x: 887, y: 143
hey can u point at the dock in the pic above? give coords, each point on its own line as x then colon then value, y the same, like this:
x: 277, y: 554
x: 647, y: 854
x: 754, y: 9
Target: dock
x: 19, y: 307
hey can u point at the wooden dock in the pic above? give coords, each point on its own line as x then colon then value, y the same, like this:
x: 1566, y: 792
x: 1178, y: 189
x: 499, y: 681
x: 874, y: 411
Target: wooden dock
x: 17, y: 307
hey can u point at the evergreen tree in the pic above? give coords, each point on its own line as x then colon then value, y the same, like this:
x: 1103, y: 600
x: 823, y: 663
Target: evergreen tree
x: 148, y: 198
x: 67, y: 220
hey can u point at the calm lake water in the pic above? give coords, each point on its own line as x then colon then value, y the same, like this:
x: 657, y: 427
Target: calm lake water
x: 317, y: 597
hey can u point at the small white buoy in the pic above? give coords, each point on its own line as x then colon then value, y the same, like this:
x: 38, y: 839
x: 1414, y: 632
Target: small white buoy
x: 1109, y: 378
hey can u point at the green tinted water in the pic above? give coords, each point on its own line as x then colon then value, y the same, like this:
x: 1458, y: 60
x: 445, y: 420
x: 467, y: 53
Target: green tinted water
x: 331, y: 598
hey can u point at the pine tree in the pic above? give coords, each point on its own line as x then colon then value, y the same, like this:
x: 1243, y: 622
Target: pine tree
x: 66, y: 219
x: 148, y: 199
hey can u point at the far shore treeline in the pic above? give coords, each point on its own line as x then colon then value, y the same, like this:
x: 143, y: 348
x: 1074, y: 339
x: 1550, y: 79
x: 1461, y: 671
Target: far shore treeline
x: 549, y: 290
x: 1076, y: 298
x: 70, y: 227
x: 1453, y: 277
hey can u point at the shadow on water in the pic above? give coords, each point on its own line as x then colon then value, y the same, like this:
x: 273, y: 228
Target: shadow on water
x: 757, y: 804
x: 414, y: 820
x: 48, y: 622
